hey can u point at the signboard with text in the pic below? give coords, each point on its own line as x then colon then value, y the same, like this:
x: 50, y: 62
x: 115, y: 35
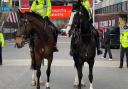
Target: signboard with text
x: 61, y: 12
x: 58, y: 12
x: 24, y: 3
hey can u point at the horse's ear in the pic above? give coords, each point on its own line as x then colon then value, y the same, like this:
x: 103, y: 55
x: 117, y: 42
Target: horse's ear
x: 79, y: 3
x: 19, y: 14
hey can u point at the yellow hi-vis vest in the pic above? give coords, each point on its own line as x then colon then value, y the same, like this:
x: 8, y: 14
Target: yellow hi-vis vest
x: 86, y: 4
x: 1, y: 40
x: 124, y: 39
x: 40, y: 8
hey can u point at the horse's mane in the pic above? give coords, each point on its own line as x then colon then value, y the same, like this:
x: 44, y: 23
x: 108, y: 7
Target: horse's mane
x: 36, y: 15
x: 45, y: 33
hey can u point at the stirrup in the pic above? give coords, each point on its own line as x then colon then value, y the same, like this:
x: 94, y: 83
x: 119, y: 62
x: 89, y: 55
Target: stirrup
x: 55, y: 49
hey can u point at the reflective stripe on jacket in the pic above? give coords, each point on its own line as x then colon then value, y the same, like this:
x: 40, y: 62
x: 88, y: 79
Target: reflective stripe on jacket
x: 1, y: 40
x: 124, y: 39
x: 40, y: 8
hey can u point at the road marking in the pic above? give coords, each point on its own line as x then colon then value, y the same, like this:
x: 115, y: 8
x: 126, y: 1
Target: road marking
x: 64, y: 42
x: 57, y: 62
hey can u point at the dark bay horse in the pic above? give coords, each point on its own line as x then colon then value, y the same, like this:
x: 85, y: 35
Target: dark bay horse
x: 32, y: 26
x: 83, y: 44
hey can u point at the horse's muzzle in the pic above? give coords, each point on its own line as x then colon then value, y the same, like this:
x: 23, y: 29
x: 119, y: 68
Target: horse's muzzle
x: 19, y: 45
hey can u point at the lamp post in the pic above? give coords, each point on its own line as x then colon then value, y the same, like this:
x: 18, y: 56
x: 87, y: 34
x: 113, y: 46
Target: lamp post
x: 93, y: 9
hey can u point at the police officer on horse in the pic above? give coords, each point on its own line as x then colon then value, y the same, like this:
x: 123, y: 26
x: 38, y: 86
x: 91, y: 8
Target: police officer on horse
x: 43, y: 8
x: 86, y: 5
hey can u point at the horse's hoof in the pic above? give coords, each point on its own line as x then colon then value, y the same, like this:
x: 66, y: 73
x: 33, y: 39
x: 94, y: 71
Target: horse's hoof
x: 79, y: 87
x: 83, y: 84
x: 43, y: 83
x: 38, y: 87
x: 47, y: 87
x: 75, y: 84
x: 33, y: 83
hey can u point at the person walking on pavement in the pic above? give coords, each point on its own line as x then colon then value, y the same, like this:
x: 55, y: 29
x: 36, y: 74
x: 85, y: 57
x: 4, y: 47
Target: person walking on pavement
x: 43, y: 8
x: 1, y: 46
x: 124, y: 46
x: 106, y: 39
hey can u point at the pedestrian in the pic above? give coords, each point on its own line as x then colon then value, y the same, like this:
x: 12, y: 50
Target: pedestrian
x: 106, y: 40
x: 124, y: 46
x: 43, y: 8
x: 1, y: 46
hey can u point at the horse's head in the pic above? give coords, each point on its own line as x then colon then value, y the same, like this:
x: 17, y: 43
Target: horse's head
x: 23, y: 29
x: 81, y: 24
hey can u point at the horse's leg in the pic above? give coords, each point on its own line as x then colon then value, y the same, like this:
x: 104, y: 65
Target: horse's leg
x: 33, y: 67
x: 48, y: 72
x: 38, y: 72
x: 79, y: 72
x: 91, y: 63
x: 80, y: 75
x: 76, y: 81
x: 33, y: 77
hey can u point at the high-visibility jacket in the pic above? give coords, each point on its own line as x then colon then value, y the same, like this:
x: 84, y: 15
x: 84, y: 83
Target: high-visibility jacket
x: 86, y: 4
x: 1, y: 40
x: 124, y: 39
x: 42, y: 8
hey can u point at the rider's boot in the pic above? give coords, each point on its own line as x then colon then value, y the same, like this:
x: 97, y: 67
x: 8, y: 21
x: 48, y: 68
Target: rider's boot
x: 97, y: 42
x: 55, y: 34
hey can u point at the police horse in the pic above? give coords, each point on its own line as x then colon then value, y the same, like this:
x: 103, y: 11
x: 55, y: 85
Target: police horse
x: 33, y: 28
x: 83, y: 44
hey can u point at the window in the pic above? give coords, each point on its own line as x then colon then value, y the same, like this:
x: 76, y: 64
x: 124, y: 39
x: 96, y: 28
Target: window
x: 124, y: 6
x: 115, y: 8
x: 119, y: 6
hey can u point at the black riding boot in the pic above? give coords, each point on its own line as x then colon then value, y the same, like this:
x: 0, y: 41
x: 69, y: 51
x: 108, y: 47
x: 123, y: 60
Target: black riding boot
x: 71, y: 48
x: 97, y: 41
x: 55, y: 33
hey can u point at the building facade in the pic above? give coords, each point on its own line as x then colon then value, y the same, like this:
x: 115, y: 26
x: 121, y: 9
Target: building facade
x: 107, y: 12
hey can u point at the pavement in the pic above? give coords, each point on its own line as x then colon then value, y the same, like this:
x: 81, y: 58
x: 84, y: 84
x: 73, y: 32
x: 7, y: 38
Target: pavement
x: 15, y: 73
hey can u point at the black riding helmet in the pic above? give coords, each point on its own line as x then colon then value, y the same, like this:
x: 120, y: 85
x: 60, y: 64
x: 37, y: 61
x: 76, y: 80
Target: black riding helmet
x: 36, y: 1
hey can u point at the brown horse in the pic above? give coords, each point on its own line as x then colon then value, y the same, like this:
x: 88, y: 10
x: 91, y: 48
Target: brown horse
x: 33, y: 27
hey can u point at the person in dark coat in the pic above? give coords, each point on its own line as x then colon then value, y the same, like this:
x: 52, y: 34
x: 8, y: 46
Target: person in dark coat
x: 106, y: 39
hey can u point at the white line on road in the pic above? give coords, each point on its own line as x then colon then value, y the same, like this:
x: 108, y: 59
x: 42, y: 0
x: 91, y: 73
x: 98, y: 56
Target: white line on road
x: 57, y: 62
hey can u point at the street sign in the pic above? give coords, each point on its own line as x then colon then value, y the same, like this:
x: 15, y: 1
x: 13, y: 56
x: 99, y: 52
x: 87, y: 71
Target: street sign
x: 4, y: 9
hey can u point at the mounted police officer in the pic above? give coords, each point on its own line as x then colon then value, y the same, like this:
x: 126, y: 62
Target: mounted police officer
x: 43, y: 7
x: 86, y: 4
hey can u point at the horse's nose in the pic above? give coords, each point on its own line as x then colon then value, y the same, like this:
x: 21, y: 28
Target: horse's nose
x: 18, y: 45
